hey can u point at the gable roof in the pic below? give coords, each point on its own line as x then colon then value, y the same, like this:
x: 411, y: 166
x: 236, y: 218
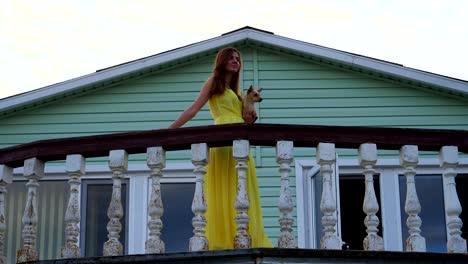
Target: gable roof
x: 246, y: 35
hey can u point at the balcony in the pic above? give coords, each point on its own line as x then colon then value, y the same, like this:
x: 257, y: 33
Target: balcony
x: 326, y: 140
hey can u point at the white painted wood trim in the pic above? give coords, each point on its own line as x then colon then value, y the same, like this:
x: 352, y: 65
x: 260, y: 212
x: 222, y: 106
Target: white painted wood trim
x: 174, y: 172
x: 446, y: 83
x: 300, y: 185
x: 390, y: 210
x: 138, y: 206
x: 305, y: 200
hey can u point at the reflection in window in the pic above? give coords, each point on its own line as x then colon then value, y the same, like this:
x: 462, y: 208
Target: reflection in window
x: 177, y: 218
x: 431, y: 197
x: 52, y: 198
x: 96, y: 198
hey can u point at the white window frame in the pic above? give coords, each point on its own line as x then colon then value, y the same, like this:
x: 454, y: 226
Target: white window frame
x: 389, y: 170
x: 139, y: 188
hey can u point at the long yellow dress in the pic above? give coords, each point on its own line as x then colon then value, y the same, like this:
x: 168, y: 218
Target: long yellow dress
x: 221, y: 183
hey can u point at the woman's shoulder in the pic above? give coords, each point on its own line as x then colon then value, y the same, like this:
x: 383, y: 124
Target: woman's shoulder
x: 210, y: 79
x: 208, y: 85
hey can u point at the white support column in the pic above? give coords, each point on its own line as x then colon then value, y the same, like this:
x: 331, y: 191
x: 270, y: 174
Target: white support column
x: 118, y: 163
x: 156, y: 161
x: 409, y: 160
x: 33, y: 171
x: 367, y: 160
x: 200, y: 158
x: 448, y: 157
x: 75, y: 167
x: 284, y: 157
x: 241, y: 151
x: 326, y: 159
x: 6, y: 174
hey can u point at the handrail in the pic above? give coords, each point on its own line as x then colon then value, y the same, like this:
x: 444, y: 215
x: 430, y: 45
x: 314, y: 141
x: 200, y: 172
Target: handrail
x: 222, y: 135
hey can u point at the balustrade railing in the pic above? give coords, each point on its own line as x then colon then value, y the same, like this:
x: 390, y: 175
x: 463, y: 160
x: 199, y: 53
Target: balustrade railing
x: 155, y: 143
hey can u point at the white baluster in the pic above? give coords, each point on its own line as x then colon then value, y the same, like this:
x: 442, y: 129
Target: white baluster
x: 241, y: 151
x: 6, y: 174
x: 75, y: 167
x: 118, y: 163
x: 284, y: 156
x: 326, y: 158
x: 33, y: 171
x: 367, y: 160
x: 409, y: 161
x: 156, y: 161
x: 200, y: 157
x: 448, y: 157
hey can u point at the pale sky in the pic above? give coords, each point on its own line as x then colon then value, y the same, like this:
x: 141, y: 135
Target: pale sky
x: 49, y: 41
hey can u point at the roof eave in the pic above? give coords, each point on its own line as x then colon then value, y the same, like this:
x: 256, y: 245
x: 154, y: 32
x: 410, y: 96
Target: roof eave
x: 353, y: 60
x: 113, y: 72
x: 248, y: 34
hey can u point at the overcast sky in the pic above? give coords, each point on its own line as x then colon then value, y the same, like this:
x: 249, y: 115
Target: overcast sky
x: 46, y: 42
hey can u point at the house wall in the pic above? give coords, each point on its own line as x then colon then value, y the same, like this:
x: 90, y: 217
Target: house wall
x: 297, y: 91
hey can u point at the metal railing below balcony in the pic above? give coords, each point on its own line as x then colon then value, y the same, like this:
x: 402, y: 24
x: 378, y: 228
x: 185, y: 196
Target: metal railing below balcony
x: 155, y: 143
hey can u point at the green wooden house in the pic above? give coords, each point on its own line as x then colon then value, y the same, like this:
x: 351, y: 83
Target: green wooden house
x: 304, y: 84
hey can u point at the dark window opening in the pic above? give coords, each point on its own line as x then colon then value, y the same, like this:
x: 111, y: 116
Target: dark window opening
x: 352, y: 190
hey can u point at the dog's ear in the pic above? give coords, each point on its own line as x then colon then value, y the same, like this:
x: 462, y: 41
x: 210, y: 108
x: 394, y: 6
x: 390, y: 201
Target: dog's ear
x: 259, y: 89
x: 250, y: 89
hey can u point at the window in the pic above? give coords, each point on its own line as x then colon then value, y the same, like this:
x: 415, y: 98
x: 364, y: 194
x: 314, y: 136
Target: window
x: 177, y: 218
x: 351, y: 197
x: 177, y: 187
x: 431, y: 198
x: 390, y: 185
x: 52, y: 202
x: 95, y: 199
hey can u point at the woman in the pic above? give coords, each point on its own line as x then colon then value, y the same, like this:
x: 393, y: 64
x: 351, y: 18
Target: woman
x: 224, y: 98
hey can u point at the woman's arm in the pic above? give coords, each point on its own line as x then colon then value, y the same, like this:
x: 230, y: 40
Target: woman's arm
x: 193, y: 109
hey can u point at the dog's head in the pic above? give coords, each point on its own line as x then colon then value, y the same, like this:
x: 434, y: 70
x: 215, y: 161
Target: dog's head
x: 254, y: 95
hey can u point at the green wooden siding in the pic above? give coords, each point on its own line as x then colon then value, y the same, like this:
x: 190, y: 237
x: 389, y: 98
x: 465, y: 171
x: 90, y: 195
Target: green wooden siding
x: 297, y: 91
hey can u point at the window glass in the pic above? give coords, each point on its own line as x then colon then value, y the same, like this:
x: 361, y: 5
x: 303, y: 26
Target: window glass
x: 52, y: 199
x: 430, y: 194
x: 96, y: 197
x: 318, y: 187
x: 177, y: 218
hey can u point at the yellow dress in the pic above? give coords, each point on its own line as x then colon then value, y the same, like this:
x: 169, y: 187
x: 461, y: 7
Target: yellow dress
x: 221, y: 183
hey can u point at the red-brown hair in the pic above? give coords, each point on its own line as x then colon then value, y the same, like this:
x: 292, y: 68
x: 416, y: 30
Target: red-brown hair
x: 219, y: 72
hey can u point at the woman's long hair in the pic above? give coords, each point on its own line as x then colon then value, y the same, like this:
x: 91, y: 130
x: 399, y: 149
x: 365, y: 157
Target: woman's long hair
x: 219, y: 72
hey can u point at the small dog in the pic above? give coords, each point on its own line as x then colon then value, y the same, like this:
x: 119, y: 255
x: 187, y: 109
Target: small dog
x: 252, y: 97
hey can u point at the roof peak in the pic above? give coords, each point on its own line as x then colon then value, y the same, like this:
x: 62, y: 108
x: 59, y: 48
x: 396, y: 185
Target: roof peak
x: 247, y: 28
x: 242, y: 35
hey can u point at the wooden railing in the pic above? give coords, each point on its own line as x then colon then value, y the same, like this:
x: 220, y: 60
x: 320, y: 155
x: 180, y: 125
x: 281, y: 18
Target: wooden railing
x: 155, y: 143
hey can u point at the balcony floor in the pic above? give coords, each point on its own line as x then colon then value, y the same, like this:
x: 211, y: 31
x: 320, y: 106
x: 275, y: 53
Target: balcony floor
x: 275, y: 255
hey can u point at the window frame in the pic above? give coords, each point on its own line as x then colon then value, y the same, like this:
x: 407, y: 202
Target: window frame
x: 388, y: 169
x: 138, y: 190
